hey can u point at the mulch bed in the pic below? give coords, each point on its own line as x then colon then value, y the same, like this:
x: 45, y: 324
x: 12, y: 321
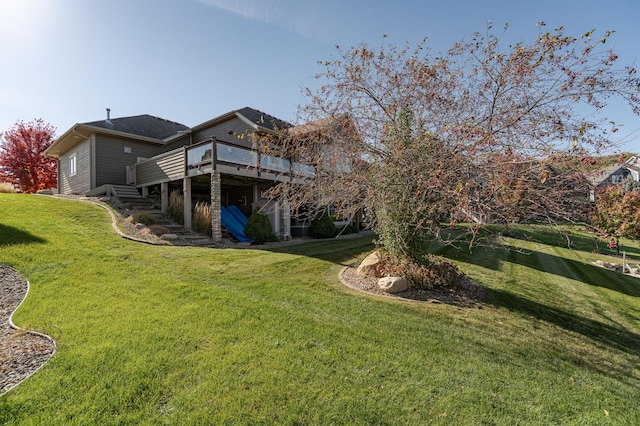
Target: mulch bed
x: 22, y: 352
x: 465, y: 292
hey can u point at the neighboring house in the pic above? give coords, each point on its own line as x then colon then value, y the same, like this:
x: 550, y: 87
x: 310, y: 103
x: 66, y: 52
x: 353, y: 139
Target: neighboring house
x: 608, y: 176
x: 217, y: 161
x: 633, y: 165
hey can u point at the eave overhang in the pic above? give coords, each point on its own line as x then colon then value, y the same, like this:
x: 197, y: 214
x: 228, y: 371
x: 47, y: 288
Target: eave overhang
x: 80, y: 132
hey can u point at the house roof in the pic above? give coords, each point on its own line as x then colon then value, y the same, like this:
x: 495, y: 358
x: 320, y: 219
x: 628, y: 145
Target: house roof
x: 157, y: 130
x: 598, y: 177
x: 633, y: 164
x: 262, y: 119
x: 256, y: 119
x: 141, y: 125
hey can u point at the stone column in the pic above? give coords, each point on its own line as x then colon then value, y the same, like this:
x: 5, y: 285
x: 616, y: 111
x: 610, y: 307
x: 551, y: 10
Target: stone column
x: 286, y: 218
x: 216, y: 207
x: 164, y: 197
x: 186, y: 191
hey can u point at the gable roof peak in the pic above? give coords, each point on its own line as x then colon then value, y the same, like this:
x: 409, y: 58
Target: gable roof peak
x: 262, y: 119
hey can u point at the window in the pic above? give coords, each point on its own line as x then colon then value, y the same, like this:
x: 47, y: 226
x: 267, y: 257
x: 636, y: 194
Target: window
x: 73, y: 164
x: 616, y: 179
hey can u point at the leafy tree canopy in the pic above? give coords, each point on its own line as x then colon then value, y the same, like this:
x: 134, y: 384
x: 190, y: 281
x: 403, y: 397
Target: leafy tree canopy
x: 472, y: 135
x: 21, y: 159
x: 618, y: 211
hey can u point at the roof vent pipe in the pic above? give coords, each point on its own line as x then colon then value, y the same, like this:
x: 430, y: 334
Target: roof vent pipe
x: 108, y: 115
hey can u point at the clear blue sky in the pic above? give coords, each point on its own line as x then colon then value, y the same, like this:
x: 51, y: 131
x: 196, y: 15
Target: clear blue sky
x: 65, y: 61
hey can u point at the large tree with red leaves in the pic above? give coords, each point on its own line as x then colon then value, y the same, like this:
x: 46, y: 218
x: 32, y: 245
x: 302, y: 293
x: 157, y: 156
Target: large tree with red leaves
x: 21, y: 159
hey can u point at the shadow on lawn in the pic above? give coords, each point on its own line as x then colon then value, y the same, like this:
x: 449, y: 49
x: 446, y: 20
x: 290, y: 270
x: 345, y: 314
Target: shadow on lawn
x: 494, y: 258
x: 576, y: 270
x: 12, y: 236
x: 341, y: 251
x: 614, y: 337
x: 564, y: 238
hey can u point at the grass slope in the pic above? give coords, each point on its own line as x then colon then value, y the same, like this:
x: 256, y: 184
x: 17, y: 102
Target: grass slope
x: 179, y: 335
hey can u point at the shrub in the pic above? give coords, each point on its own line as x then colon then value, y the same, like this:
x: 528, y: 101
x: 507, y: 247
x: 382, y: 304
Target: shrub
x: 348, y: 229
x: 435, y: 272
x: 144, y: 217
x: 156, y: 230
x: 323, y: 226
x: 202, y: 218
x: 259, y: 228
x: 176, y: 207
x: 7, y: 187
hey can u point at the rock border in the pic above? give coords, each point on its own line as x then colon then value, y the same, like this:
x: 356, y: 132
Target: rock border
x: 27, y: 351
x: 469, y: 294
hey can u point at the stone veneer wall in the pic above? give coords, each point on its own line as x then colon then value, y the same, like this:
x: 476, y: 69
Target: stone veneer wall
x: 216, y: 203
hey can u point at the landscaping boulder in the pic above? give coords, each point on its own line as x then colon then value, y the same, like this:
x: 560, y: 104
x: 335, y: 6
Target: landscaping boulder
x: 393, y: 284
x: 140, y: 226
x: 168, y: 237
x: 370, y: 266
x: 608, y: 265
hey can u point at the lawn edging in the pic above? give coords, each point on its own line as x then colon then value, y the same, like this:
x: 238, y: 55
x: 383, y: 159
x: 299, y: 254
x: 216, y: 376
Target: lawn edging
x: 31, y: 370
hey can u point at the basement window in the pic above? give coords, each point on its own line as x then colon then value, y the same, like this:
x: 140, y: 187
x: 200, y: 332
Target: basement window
x: 127, y: 150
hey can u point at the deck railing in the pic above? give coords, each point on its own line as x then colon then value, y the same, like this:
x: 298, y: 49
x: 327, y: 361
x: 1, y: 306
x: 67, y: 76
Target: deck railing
x: 200, y: 158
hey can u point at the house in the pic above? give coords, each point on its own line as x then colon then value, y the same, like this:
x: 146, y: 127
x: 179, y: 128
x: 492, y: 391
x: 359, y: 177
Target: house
x: 219, y: 161
x: 93, y: 155
x: 601, y: 179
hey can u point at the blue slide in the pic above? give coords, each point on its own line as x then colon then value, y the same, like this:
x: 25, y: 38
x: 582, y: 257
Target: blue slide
x: 233, y: 226
x: 240, y: 217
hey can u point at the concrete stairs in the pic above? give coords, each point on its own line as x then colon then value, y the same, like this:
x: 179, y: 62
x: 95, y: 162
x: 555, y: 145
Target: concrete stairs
x: 132, y: 200
x: 125, y: 191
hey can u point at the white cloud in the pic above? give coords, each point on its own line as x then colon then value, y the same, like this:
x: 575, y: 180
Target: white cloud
x: 258, y: 10
x: 284, y: 14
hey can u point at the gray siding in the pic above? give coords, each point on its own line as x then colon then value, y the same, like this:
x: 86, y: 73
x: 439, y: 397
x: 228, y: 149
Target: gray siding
x: 112, y: 160
x: 81, y: 181
x: 221, y: 132
x: 164, y: 168
x: 178, y: 143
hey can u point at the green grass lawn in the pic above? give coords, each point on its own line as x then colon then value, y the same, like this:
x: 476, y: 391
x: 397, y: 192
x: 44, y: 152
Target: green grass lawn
x: 182, y: 335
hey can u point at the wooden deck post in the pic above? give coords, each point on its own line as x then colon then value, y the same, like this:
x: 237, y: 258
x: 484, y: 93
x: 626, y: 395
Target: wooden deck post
x: 164, y: 197
x: 186, y: 190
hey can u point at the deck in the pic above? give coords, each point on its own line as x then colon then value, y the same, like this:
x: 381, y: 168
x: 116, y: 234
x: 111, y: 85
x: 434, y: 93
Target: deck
x: 204, y: 158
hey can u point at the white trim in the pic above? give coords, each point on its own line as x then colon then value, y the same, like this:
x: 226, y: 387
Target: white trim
x: 73, y: 164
